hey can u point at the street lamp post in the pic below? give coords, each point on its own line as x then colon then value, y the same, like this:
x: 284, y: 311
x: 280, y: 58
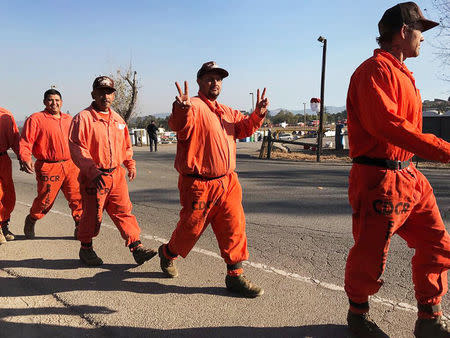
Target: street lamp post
x: 322, y: 93
x: 304, y: 111
x: 253, y: 101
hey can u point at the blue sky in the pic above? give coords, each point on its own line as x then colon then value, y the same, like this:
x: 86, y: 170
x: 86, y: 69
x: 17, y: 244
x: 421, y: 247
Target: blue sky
x: 261, y: 43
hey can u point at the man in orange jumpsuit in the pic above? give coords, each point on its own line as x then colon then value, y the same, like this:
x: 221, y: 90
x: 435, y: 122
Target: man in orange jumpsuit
x: 46, y: 136
x: 9, y: 138
x: 386, y: 191
x: 209, y: 188
x: 100, y: 144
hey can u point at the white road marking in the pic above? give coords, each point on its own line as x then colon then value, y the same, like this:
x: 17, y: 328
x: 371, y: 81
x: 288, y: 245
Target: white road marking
x: 267, y: 268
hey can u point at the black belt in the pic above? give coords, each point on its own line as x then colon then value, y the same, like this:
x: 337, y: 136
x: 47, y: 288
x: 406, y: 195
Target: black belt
x: 381, y: 162
x: 204, y: 177
x: 110, y: 170
x: 48, y: 161
x: 3, y: 153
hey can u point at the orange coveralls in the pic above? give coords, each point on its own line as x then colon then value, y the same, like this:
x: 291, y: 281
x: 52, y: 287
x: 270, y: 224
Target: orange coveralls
x: 47, y: 138
x: 9, y: 138
x: 100, y: 143
x: 385, y: 121
x: 206, y: 150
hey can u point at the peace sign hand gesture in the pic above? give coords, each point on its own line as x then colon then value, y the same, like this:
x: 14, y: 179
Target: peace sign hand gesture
x: 182, y: 101
x: 261, y: 103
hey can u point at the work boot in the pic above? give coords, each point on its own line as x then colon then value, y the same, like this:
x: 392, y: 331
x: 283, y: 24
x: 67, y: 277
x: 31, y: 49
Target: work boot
x: 89, y: 257
x: 431, y: 327
x: 361, y: 325
x: 28, y: 229
x: 9, y: 236
x: 141, y: 254
x: 167, y: 265
x: 2, y: 237
x: 241, y: 285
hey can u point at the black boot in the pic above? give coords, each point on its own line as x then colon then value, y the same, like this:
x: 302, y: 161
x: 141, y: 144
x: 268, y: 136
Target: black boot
x: 28, y: 228
x: 141, y: 254
x: 361, y: 325
x: 431, y: 327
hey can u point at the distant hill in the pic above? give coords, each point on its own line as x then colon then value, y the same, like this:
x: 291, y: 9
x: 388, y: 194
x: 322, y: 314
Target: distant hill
x: 328, y: 109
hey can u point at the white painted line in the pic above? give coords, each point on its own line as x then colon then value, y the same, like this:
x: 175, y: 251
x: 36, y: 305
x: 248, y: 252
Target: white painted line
x: 270, y: 269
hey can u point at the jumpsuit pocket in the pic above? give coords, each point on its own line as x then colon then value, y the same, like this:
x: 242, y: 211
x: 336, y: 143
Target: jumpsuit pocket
x: 378, y: 179
x: 366, y: 182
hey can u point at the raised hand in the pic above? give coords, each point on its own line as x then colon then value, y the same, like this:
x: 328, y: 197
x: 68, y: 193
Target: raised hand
x: 182, y: 101
x: 261, y: 103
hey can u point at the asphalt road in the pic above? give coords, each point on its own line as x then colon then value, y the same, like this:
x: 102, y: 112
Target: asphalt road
x: 299, y: 230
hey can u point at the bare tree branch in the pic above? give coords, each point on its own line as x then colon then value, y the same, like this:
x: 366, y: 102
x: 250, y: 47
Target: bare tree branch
x: 127, y: 90
x: 441, y: 41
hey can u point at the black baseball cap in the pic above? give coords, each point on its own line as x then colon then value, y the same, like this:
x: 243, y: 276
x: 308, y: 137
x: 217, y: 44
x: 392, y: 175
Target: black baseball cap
x: 209, y: 67
x: 404, y: 13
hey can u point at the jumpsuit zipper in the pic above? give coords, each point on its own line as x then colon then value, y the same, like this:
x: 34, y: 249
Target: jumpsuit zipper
x: 109, y: 142
x: 226, y: 140
x: 62, y: 133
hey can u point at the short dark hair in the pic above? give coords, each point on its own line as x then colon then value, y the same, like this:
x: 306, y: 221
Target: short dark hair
x: 387, y: 37
x: 52, y: 92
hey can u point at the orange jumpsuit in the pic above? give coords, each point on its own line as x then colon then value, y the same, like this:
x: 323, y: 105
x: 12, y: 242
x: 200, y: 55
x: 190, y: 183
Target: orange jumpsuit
x: 209, y: 188
x: 9, y: 138
x: 385, y: 122
x: 100, y: 143
x: 47, y: 138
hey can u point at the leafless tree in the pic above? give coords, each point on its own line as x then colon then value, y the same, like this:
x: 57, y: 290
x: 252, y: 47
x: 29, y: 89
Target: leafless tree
x: 441, y: 41
x: 127, y: 90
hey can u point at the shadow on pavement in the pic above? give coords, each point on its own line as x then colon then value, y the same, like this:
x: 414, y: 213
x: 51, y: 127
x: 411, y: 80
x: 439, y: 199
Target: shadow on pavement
x: 114, y: 277
x: 65, y: 238
x: 11, y: 329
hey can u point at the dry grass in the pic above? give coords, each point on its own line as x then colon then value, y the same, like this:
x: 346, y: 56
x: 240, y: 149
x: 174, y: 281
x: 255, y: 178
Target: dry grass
x: 333, y: 156
x: 310, y: 156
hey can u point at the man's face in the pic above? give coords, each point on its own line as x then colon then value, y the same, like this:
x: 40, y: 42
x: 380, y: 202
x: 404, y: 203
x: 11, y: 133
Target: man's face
x: 53, y: 104
x: 413, y: 39
x: 103, y: 98
x: 210, y: 85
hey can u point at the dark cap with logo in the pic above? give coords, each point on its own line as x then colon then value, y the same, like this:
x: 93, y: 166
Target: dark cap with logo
x: 404, y: 13
x: 103, y: 82
x: 209, y: 67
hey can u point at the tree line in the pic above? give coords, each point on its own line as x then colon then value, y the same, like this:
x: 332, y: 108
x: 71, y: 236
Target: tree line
x: 271, y: 119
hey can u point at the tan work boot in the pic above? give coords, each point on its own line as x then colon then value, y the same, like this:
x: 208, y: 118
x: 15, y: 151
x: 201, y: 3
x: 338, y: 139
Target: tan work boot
x: 28, y: 229
x: 361, y: 325
x: 141, y: 254
x: 9, y: 236
x: 89, y: 257
x: 433, y: 327
x: 167, y: 265
x: 241, y: 285
x: 2, y: 237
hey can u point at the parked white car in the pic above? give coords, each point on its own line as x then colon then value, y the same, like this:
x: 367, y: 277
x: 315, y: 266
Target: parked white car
x: 285, y: 137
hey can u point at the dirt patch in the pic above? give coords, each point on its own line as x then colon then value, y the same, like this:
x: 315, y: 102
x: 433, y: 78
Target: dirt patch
x: 310, y: 156
x: 341, y: 156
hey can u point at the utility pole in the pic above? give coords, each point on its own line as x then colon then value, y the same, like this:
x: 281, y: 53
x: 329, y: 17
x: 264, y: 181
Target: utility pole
x: 322, y: 93
x: 253, y: 102
x: 304, y: 111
